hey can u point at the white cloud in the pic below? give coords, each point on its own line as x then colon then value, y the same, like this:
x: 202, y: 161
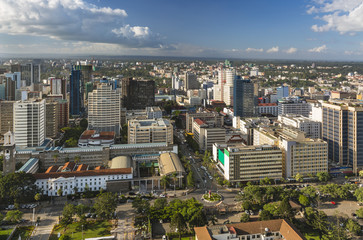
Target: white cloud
x: 254, y: 50
x: 318, y: 49
x: 273, y: 50
x: 344, y: 16
x: 291, y: 50
x: 74, y: 20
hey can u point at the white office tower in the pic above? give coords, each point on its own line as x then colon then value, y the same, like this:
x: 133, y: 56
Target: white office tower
x: 176, y: 82
x: 29, y: 123
x: 226, y: 78
x: 104, y: 108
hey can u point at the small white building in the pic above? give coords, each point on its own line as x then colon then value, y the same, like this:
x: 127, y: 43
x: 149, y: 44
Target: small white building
x: 78, y: 181
x: 311, y: 128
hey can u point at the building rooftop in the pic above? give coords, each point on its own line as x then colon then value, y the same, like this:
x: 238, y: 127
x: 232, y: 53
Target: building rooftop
x: 284, y: 227
x: 170, y: 163
x: 93, y: 135
x: 47, y: 175
x: 28, y: 165
x: 149, y: 122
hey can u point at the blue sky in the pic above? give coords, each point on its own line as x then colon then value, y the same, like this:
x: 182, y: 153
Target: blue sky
x: 278, y: 29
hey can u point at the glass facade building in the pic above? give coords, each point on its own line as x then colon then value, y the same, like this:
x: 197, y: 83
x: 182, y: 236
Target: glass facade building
x: 243, y: 98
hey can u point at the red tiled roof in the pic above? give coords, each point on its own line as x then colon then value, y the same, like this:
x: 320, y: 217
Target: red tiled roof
x: 88, y: 134
x: 267, y: 104
x: 99, y: 167
x: 69, y: 165
x: 82, y: 167
x: 83, y: 173
x: 199, y: 121
x: 51, y: 169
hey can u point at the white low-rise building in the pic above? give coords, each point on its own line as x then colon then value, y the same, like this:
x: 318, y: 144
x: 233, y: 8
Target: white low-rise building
x: 78, y: 181
x: 312, y: 129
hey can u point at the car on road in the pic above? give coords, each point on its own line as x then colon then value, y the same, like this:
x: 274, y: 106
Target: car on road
x: 162, y: 195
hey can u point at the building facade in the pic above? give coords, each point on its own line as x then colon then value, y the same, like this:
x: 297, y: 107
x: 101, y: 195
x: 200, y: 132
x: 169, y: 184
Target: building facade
x: 249, y: 163
x: 6, y: 116
x: 137, y: 94
x: 104, y: 106
x: 150, y: 131
x: 244, y: 99
x: 75, y: 94
x: 29, y: 123
x: 312, y: 129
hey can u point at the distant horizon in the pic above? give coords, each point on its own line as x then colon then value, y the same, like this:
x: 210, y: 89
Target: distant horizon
x: 151, y: 57
x: 308, y: 30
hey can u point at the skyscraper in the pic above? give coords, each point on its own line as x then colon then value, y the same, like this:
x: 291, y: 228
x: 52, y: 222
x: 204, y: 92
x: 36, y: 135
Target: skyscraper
x: 224, y: 90
x: 30, y: 72
x: 58, y: 87
x: 104, y: 109
x: 29, y: 123
x: 243, y: 98
x: 191, y: 81
x: 343, y: 130
x: 137, y: 94
x: 75, y: 99
x: 282, y: 91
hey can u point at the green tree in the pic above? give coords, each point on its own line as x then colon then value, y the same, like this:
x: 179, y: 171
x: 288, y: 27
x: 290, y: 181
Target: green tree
x: 165, y: 180
x: 265, y: 215
x: 353, y: 227
x: 1, y: 218
x: 273, y: 208
x: 65, y: 237
x: 304, y: 200
x: 319, y: 222
x: 246, y: 205
x: 359, y: 212
x: 13, y: 216
x: 105, y: 205
x: 17, y: 187
x: 141, y: 206
x: 77, y: 159
x: 67, y: 214
x: 285, y: 209
x: 359, y: 194
x: 299, y: 177
x: 160, y: 203
x: 60, y: 192
x: 190, y: 179
x: 178, y: 223
x: 198, y: 219
x: 245, y: 217
x: 81, y: 211
x: 83, y: 124
x: 323, y: 176
x: 55, y: 157
x: 37, y: 197
x: 266, y: 181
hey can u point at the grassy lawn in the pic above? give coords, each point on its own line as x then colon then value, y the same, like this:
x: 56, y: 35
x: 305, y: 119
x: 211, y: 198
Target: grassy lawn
x: 24, y: 232
x: 185, y: 238
x: 5, y: 233
x: 74, y: 230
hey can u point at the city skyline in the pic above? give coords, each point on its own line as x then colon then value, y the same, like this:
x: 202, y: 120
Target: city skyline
x: 311, y: 30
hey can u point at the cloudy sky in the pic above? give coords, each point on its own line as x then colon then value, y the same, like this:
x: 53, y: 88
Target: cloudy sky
x: 278, y: 29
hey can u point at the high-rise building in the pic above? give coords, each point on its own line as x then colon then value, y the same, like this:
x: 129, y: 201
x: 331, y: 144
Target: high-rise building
x: 343, y: 130
x: 137, y: 94
x: 312, y: 129
x: 16, y: 77
x: 86, y: 76
x: 224, y: 90
x: 294, y: 106
x: 191, y: 81
x: 104, y: 108
x: 176, y: 83
x: 51, y: 119
x: 282, y: 91
x: 75, y: 98
x: 10, y: 87
x: 206, y: 136
x: 150, y: 131
x: 248, y: 163
x: 58, y: 87
x: 303, y: 156
x: 244, y: 100
x: 6, y: 116
x: 30, y: 72
x: 29, y: 123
